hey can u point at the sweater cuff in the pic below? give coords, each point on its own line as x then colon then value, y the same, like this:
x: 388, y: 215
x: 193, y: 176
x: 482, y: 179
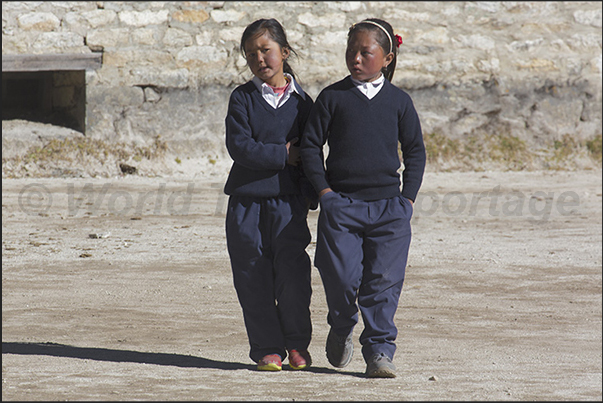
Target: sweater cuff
x: 320, y: 184
x: 410, y: 194
x: 285, y: 157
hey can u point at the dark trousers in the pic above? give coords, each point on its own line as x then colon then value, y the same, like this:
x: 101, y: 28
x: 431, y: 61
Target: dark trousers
x: 361, y: 254
x: 267, y: 240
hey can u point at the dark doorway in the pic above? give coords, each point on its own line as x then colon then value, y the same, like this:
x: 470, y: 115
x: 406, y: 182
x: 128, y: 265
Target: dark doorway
x: 53, y: 97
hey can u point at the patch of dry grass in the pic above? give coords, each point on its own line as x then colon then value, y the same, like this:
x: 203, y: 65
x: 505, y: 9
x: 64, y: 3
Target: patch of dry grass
x: 79, y: 154
x: 507, y: 152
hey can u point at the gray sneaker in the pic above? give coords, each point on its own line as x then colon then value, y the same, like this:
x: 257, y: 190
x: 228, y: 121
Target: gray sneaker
x: 380, y: 366
x: 339, y: 349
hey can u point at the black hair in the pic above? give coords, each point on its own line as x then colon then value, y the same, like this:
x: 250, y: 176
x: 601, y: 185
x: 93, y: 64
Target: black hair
x: 277, y: 34
x: 387, y: 44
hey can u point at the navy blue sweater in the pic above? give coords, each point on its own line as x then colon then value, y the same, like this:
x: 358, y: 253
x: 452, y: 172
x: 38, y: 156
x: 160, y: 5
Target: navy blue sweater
x: 256, y: 135
x: 364, y: 137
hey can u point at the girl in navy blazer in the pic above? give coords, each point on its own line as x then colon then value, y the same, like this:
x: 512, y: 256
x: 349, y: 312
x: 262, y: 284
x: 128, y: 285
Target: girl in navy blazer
x: 266, y: 222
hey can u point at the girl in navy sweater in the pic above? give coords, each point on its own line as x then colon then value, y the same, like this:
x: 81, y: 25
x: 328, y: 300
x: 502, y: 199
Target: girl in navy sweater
x: 364, y: 223
x: 266, y: 222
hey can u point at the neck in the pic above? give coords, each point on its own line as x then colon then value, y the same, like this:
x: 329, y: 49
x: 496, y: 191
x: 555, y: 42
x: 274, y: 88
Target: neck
x: 277, y: 81
x: 370, y: 80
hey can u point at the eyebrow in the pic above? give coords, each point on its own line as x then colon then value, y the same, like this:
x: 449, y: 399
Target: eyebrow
x: 364, y: 47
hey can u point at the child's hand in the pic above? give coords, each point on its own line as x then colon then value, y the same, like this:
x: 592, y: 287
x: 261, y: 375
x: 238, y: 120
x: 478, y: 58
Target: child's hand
x: 294, y: 158
x: 324, y: 192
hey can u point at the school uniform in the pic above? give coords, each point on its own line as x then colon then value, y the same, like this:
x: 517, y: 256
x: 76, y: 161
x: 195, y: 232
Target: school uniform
x: 364, y: 225
x: 266, y: 222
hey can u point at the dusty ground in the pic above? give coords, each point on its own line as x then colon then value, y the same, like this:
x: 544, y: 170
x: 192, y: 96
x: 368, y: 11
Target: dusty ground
x: 502, y: 299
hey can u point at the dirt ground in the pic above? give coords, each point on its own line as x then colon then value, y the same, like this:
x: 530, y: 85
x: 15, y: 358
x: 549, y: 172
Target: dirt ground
x: 120, y: 289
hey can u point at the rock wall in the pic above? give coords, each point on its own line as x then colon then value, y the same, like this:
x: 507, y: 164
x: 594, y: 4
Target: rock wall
x: 509, y: 83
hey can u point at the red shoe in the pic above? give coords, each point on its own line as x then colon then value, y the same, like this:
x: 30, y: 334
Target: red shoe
x: 270, y: 362
x: 299, y: 359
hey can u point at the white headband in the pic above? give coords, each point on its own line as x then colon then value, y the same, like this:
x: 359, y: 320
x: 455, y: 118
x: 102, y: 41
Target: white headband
x: 391, y: 47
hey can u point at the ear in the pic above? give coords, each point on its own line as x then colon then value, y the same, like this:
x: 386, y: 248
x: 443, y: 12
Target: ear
x: 285, y: 52
x: 388, y: 59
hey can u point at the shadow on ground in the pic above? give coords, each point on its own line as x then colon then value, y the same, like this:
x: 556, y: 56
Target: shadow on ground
x: 106, y: 354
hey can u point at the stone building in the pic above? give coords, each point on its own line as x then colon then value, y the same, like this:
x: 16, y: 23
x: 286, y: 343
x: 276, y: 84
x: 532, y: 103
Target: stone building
x: 513, y: 81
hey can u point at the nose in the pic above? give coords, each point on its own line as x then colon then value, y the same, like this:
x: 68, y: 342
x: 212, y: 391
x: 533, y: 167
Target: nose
x: 255, y: 57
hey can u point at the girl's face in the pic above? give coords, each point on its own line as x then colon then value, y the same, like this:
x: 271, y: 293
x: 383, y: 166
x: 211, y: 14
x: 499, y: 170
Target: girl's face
x: 365, y: 57
x: 265, y: 59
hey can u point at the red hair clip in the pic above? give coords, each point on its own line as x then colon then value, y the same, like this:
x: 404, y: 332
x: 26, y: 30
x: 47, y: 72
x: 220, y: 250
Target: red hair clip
x: 398, y: 39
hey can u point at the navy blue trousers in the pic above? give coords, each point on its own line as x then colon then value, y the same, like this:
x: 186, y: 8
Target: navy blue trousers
x: 361, y: 254
x: 267, y: 240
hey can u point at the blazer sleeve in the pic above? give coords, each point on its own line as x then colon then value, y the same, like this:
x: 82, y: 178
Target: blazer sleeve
x: 243, y: 148
x: 313, y: 140
x: 413, y: 151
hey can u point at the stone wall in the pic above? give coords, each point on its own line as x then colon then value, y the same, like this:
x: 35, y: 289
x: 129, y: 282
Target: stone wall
x: 513, y: 81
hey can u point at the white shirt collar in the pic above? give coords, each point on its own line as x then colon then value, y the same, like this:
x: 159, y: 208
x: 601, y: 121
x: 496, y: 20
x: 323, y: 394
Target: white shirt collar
x: 273, y: 99
x: 370, y: 89
x: 375, y: 83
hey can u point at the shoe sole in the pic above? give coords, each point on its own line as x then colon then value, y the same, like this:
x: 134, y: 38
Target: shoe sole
x: 382, y: 373
x: 298, y: 368
x: 269, y: 367
x: 344, y: 363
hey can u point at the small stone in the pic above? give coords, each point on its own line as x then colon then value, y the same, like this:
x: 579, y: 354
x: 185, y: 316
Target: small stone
x: 127, y: 169
x: 99, y: 235
x: 434, y: 378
